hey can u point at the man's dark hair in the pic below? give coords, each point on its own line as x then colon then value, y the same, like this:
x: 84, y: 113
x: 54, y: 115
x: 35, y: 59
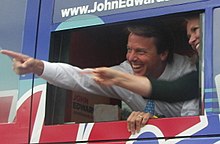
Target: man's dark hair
x: 163, y: 41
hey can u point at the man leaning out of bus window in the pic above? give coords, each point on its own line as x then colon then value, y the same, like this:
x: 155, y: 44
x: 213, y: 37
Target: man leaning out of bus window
x: 148, y: 54
x: 185, y: 86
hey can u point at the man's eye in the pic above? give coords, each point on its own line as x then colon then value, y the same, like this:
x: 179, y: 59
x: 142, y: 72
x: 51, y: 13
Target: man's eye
x: 141, y: 52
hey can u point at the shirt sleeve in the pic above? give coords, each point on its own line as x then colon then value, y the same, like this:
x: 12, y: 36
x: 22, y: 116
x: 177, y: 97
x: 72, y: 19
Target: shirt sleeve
x: 181, y: 89
x: 70, y: 77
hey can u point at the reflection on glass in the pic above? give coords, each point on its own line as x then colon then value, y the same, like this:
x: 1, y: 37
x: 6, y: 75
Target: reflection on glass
x: 8, y: 90
x: 216, y: 52
x: 11, y: 29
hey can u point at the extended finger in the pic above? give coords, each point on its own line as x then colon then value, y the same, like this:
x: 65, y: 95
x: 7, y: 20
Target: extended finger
x: 15, y: 55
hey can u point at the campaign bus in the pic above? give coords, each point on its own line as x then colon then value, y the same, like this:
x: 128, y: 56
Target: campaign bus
x: 89, y: 34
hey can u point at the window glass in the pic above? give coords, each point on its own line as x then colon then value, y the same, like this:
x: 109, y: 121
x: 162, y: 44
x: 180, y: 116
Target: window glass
x: 216, y: 64
x: 12, y: 15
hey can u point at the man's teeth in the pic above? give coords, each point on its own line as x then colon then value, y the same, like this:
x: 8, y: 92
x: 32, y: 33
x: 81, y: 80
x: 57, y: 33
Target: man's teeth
x: 136, y: 66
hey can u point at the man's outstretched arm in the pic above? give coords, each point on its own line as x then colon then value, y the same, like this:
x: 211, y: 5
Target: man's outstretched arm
x: 23, y: 64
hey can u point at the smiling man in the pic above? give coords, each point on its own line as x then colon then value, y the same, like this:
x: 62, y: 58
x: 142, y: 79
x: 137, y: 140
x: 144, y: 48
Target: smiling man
x: 149, y: 53
x: 185, y: 87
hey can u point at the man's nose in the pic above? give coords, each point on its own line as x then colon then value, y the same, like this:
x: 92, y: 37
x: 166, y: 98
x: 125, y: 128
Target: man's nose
x: 132, y: 56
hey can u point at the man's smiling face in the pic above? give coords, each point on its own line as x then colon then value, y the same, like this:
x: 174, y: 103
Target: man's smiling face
x: 143, y: 57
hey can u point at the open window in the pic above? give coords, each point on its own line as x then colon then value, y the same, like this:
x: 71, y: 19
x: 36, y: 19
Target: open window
x: 84, y: 48
x: 95, y: 46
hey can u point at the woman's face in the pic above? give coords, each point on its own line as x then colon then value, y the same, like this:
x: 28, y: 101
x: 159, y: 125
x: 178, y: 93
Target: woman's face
x: 193, y: 33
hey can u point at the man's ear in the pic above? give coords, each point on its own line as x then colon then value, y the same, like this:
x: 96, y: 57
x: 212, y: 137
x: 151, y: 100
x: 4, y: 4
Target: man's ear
x: 164, y: 55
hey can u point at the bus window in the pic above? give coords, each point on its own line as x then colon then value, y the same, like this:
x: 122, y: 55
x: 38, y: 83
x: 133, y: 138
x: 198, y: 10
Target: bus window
x: 11, y: 29
x: 88, y: 47
x: 96, y: 46
x: 216, y: 65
